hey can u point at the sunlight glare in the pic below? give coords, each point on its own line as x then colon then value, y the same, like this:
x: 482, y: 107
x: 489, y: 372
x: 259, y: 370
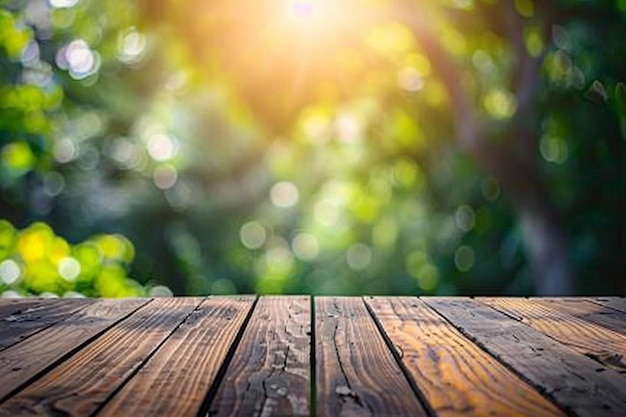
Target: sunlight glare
x: 301, y: 8
x: 315, y: 17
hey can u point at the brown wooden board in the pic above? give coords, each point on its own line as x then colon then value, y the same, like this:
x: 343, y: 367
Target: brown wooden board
x: 269, y: 372
x: 179, y: 375
x: 599, y: 343
x: 455, y: 376
x: 25, y: 360
x: 587, y: 310
x: 356, y: 372
x: 16, y: 306
x: 13, y: 301
x: 576, y: 382
x: 82, y: 383
x: 21, y: 319
x: 616, y: 303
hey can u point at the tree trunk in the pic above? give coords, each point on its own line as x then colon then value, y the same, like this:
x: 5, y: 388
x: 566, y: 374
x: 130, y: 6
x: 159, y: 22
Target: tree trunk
x: 543, y: 234
x: 546, y: 247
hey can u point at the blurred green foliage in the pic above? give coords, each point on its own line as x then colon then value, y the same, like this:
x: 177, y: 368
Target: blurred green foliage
x: 248, y: 149
x: 36, y: 261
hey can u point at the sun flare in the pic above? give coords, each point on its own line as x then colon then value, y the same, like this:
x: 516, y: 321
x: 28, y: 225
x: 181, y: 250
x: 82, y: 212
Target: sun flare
x: 301, y: 9
x: 317, y: 17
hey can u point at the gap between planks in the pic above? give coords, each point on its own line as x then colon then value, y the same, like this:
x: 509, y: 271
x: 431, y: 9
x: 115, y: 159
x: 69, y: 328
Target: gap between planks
x: 606, y: 346
x: 86, y: 380
x: 23, y: 318
x: 454, y: 375
x: 354, y: 364
x: 316, y: 336
x: 180, y: 373
x: 135, y: 356
x: 26, y: 361
x: 565, y: 376
x: 587, y: 310
x: 269, y: 372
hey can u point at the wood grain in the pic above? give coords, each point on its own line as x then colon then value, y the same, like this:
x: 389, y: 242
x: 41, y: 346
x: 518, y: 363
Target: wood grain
x: 269, y: 373
x: 356, y: 372
x: 15, y: 306
x: 588, y: 311
x: 599, y: 343
x: 443, y: 357
x: 78, y: 386
x: 616, y: 303
x: 577, y: 383
x: 23, y: 361
x: 179, y: 375
x: 455, y: 376
x: 22, y: 318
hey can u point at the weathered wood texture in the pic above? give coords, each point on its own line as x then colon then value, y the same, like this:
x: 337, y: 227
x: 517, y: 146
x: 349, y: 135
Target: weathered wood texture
x: 89, y: 378
x: 22, y: 318
x: 27, y: 359
x: 357, y: 374
x: 177, y: 378
x: 340, y: 356
x: 455, y: 376
x: 576, y: 382
x: 269, y: 373
x: 587, y: 310
x: 599, y: 343
x: 17, y: 306
x: 616, y: 303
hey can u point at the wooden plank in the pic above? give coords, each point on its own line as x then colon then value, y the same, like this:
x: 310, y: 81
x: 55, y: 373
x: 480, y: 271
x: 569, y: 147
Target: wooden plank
x: 599, y: 343
x: 269, y: 372
x: 10, y: 306
x: 81, y: 384
x: 588, y: 311
x: 25, y: 360
x: 579, y: 384
x: 178, y: 377
x: 26, y: 317
x: 18, y: 309
x: 455, y: 376
x: 616, y: 303
x: 356, y: 372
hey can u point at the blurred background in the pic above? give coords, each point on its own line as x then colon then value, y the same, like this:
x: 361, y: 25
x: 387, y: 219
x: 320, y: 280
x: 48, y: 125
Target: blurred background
x: 320, y: 147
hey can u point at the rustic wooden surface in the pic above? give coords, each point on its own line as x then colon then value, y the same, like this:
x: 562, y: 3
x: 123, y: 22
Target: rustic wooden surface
x: 26, y: 360
x: 357, y: 374
x: 587, y: 310
x: 268, y: 374
x: 20, y: 320
x: 455, y: 376
x: 590, y: 339
x: 576, y: 382
x: 328, y: 356
x: 186, y: 365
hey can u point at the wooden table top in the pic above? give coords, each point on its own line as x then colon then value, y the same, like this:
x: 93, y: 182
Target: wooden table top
x: 327, y: 356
